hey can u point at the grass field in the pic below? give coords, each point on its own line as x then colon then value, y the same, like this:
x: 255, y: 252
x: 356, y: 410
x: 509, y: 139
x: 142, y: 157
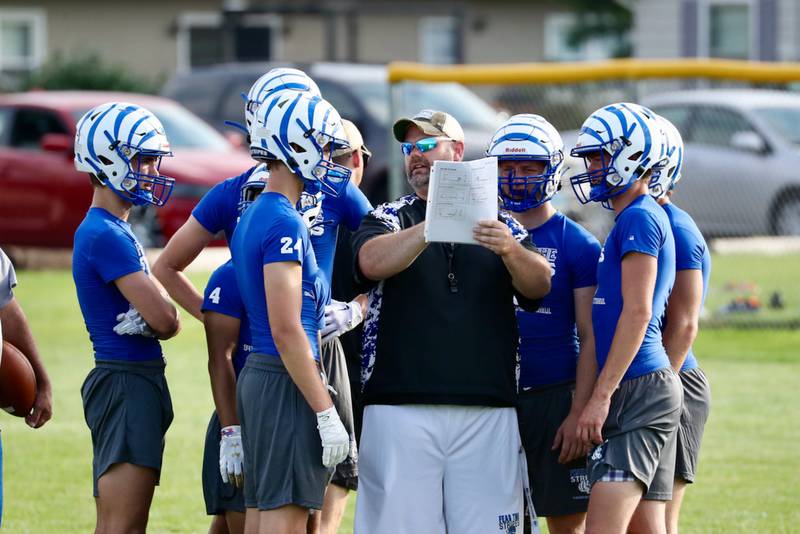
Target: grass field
x: 748, y: 479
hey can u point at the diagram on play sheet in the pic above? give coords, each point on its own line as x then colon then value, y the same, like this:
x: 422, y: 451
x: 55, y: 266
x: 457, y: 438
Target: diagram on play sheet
x: 460, y: 194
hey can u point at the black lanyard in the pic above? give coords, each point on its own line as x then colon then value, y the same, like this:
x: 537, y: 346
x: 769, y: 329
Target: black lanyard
x: 450, y: 250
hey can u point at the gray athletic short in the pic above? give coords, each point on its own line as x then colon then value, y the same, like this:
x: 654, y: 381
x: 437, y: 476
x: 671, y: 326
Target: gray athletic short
x: 640, y: 433
x: 282, y: 449
x: 219, y: 496
x: 128, y: 409
x: 556, y: 489
x: 696, y: 405
x: 334, y: 366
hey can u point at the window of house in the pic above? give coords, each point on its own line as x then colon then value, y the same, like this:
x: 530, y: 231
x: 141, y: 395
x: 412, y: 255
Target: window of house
x: 438, y: 40
x: 202, y: 39
x: 22, y: 39
x: 730, y: 30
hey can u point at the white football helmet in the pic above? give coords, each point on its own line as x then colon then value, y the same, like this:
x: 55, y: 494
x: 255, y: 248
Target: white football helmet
x: 302, y: 131
x: 109, y: 137
x: 668, y: 172
x: 528, y: 137
x: 628, y: 138
x: 253, y: 187
x: 277, y: 79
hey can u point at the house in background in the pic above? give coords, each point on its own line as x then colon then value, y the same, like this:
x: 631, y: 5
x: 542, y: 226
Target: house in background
x: 767, y: 30
x: 157, y: 38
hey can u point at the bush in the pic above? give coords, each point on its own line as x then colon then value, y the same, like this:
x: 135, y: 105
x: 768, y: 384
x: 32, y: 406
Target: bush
x: 87, y: 72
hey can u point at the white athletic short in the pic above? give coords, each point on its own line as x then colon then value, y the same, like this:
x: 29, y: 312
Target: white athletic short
x: 437, y: 469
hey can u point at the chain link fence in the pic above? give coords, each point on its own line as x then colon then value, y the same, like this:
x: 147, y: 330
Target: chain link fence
x: 741, y: 176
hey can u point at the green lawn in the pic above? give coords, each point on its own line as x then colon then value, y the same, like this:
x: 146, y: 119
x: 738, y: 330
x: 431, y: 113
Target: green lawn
x: 747, y: 481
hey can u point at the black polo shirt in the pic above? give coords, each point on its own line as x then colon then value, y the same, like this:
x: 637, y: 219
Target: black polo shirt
x: 444, y: 330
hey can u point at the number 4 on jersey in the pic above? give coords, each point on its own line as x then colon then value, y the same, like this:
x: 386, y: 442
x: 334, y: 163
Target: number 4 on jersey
x: 214, y: 295
x: 286, y: 245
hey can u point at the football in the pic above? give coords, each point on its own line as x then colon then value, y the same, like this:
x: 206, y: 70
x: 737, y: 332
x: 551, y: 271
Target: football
x: 17, y: 382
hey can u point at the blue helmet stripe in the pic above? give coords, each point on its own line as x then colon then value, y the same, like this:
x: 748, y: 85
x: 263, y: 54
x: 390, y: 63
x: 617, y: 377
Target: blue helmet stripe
x: 607, y: 127
x: 120, y: 117
x: 593, y: 134
x: 133, y: 128
x: 284, y: 126
x: 93, y: 130
x: 145, y: 137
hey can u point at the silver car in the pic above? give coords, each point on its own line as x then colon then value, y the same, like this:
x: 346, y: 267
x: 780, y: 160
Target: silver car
x: 741, y: 171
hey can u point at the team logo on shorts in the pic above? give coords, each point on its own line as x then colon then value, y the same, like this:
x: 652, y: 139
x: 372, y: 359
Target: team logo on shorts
x: 597, y: 454
x: 508, y: 523
x: 578, y: 476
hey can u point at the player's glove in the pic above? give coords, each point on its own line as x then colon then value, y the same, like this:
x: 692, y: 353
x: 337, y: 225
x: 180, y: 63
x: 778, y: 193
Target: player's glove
x: 335, y: 441
x: 131, y: 323
x: 340, y: 317
x: 231, y: 455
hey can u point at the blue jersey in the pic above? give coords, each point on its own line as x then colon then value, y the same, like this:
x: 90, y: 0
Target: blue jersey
x: 222, y: 296
x: 218, y: 210
x: 691, y: 252
x: 104, y: 250
x: 548, y: 338
x: 272, y: 231
x: 347, y: 209
x: 642, y: 227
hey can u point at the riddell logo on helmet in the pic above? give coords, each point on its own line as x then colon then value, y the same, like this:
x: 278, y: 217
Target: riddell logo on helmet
x: 515, y: 149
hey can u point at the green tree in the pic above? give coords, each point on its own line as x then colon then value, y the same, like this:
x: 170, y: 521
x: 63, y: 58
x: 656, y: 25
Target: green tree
x: 88, y: 72
x: 599, y: 19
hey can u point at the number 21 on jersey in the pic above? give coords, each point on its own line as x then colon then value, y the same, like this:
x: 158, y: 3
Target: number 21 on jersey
x: 287, y: 247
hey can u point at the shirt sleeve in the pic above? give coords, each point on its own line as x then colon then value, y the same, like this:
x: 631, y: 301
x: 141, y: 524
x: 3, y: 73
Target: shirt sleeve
x: 689, y: 250
x: 356, y: 207
x: 586, y: 250
x: 213, y: 210
x: 8, y: 279
x: 115, y: 255
x: 641, y: 232
x: 285, y: 240
x: 222, y: 293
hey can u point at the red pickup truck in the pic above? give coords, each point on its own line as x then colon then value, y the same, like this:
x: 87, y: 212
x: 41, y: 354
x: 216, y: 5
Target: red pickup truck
x: 43, y: 198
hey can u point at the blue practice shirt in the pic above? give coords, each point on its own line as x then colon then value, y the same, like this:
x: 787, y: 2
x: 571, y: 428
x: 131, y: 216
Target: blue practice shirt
x: 347, y: 209
x: 642, y: 227
x: 691, y: 252
x: 104, y: 250
x: 218, y: 210
x: 549, y: 342
x: 222, y: 296
x: 272, y: 231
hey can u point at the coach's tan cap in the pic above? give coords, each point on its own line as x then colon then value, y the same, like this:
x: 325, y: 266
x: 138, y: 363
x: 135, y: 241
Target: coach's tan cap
x: 355, y: 140
x: 431, y: 122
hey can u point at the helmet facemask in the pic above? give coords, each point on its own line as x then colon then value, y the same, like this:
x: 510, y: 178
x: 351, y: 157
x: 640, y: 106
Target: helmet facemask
x: 520, y: 193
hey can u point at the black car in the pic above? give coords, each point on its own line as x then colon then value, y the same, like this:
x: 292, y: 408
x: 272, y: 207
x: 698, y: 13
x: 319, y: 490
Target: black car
x: 359, y: 92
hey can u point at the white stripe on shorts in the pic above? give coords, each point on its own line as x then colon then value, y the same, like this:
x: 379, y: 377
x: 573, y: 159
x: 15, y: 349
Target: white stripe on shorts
x: 618, y: 475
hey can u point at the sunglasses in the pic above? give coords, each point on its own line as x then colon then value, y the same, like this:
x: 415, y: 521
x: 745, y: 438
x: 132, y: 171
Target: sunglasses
x: 423, y: 145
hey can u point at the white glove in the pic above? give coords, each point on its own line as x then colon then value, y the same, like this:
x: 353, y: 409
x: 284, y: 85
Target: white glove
x: 133, y: 324
x: 335, y: 441
x: 340, y: 317
x: 231, y: 455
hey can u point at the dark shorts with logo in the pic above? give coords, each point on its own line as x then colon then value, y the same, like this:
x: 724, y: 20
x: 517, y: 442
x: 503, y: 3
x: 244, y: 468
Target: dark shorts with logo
x: 219, y: 496
x: 282, y: 448
x: 556, y: 489
x: 641, y: 433
x: 696, y: 406
x: 128, y: 409
x: 334, y: 366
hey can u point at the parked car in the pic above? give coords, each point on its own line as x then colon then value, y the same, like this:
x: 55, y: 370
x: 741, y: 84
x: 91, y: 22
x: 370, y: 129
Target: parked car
x: 43, y: 198
x: 359, y: 92
x: 742, y: 159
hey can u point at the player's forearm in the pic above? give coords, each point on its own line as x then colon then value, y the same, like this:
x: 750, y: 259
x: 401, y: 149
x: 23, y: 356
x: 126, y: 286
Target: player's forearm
x: 295, y: 352
x: 678, y: 337
x: 585, y: 375
x: 223, y: 389
x: 180, y: 288
x: 384, y: 256
x: 628, y: 337
x: 530, y: 272
x: 17, y: 332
